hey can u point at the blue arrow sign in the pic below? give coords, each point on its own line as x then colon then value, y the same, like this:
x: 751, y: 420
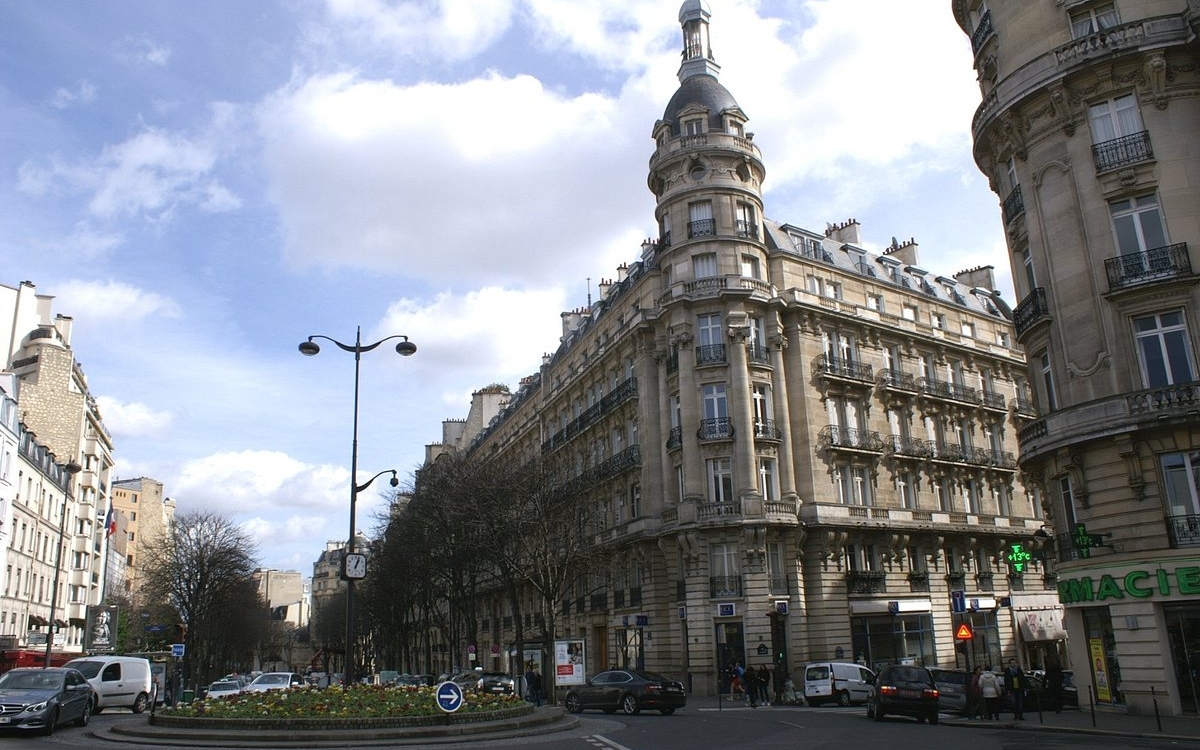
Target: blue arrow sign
x: 449, y: 697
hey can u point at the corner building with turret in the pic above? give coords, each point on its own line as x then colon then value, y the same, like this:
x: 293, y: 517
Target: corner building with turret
x: 798, y: 449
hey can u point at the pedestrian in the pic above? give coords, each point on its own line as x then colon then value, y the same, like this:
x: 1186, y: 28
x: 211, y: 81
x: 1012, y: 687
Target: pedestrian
x: 974, y: 705
x: 746, y: 676
x: 1014, y: 684
x: 764, y: 685
x: 1054, y: 682
x: 780, y: 678
x: 533, y: 686
x: 989, y: 691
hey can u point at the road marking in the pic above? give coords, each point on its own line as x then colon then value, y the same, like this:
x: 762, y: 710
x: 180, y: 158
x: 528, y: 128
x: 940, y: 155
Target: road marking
x: 600, y: 741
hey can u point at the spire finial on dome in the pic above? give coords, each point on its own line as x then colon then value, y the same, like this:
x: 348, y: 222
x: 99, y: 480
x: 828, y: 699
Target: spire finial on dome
x: 697, y: 48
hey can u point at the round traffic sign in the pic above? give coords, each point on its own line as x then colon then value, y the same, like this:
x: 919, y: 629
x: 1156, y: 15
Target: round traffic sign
x: 448, y: 696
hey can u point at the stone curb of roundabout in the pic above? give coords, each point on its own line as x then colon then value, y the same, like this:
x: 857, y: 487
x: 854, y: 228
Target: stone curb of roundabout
x: 334, y: 732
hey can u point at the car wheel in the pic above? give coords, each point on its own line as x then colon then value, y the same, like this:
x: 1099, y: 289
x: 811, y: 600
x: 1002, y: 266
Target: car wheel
x: 85, y: 715
x: 843, y: 698
x: 933, y: 718
x: 878, y: 712
x: 51, y: 723
x: 574, y: 705
x: 140, y: 703
x: 629, y: 706
x: 666, y: 711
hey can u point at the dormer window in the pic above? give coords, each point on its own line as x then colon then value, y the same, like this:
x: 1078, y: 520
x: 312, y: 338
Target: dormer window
x: 693, y: 127
x: 1093, y: 20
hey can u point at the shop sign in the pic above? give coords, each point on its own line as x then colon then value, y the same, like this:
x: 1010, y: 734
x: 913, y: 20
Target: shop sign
x: 1137, y: 584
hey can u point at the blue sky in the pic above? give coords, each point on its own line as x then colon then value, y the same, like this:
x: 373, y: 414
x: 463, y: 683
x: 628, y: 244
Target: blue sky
x: 201, y: 186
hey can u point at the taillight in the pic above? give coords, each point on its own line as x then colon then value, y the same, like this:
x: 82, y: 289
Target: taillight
x: 652, y: 688
x: 930, y: 692
x: 887, y: 689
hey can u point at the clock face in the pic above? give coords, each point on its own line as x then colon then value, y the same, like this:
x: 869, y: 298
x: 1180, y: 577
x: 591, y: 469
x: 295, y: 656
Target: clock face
x: 356, y: 565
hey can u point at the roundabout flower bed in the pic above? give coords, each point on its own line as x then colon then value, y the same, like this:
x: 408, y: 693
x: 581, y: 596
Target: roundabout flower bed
x: 355, y: 707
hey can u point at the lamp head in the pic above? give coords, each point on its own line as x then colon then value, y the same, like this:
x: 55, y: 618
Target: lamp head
x: 395, y: 480
x: 309, y: 348
x: 406, y: 348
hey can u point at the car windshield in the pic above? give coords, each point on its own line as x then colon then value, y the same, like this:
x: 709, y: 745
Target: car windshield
x: 272, y: 679
x: 907, y: 674
x: 88, y: 667
x: 223, y: 686
x: 31, y: 680
x: 817, y: 673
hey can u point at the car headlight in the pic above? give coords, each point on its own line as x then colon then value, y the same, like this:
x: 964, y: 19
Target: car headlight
x: 37, y: 707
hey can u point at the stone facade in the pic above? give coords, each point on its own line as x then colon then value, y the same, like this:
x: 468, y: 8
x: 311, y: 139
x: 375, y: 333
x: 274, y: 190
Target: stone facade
x: 798, y: 448
x: 145, y: 519
x: 1088, y: 130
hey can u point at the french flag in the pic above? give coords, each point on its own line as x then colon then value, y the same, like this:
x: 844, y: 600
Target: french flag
x: 110, y: 523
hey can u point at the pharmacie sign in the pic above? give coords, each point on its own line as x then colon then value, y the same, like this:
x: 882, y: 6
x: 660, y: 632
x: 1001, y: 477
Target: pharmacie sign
x: 1135, y: 584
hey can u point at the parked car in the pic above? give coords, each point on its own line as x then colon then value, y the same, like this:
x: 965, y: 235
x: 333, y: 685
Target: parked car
x: 952, y: 685
x: 1038, y: 697
x: 36, y: 699
x: 416, y: 680
x: 222, y: 688
x: 904, y: 690
x: 119, y: 681
x: 629, y: 690
x: 274, y: 681
x: 496, y: 683
x: 841, y: 682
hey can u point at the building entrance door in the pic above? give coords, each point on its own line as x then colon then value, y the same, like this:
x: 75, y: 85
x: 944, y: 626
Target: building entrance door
x: 731, y: 650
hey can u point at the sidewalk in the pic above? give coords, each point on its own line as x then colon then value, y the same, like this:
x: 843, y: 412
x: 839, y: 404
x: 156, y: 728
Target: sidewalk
x: 1107, y: 721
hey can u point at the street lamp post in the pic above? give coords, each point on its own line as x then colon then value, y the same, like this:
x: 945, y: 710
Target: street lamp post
x: 354, y: 565
x: 71, y: 469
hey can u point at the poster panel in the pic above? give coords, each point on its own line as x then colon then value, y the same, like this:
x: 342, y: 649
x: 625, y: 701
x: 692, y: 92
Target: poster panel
x: 1100, y: 670
x: 569, y: 663
x: 100, y: 633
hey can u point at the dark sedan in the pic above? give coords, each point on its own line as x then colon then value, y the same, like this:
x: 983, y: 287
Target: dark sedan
x: 905, y: 690
x: 496, y: 683
x: 37, y: 699
x: 627, y: 690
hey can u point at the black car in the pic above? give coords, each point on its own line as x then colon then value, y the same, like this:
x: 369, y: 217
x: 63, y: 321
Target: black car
x: 952, y: 685
x: 496, y: 683
x: 41, y: 699
x: 904, y: 690
x: 629, y: 690
x: 1038, y: 695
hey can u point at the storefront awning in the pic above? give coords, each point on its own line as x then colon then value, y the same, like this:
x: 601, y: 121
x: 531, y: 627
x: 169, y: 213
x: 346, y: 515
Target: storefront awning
x: 1041, y: 625
x: 37, y: 621
x: 59, y: 623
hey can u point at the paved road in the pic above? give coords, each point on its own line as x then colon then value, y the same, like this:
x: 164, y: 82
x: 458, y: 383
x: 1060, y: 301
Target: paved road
x: 702, y: 725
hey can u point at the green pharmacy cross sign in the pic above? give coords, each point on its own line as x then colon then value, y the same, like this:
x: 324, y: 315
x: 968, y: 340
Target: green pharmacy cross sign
x: 1018, y: 557
x: 1083, y: 541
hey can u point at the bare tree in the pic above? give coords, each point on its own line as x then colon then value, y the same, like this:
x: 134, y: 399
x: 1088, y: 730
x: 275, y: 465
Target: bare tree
x: 203, y: 571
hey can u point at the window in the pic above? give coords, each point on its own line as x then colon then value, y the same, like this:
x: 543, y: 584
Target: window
x: 679, y: 482
x: 675, y: 409
x: 700, y: 220
x: 1138, y: 225
x: 746, y: 224
x: 715, y: 404
x: 1162, y: 343
x: 693, y: 127
x: 1010, y: 170
x: 708, y: 327
x: 853, y: 485
x: 840, y: 348
x: 967, y: 329
x: 776, y: 572
x: 908, y: 312
x: 750, y: 267
x: 861, y: 557
x: 720, y: 480
x: 723, y: 560
x: 1047, y: 380
x: 906, y: 488
x: 635, y: 501
x: 1114, y: 118
x: 1088, y: 21
x: 971, y: 496
x: 761, y: 400
x: 941, y: 495
x: 1181, y: 480
x: 704, y: 265
x: 1027, y: 263
x: 875, y: 302
x: 938, y: 321
x: 1066, y: 496
x: 1002, y: 497
x: 768, y: 479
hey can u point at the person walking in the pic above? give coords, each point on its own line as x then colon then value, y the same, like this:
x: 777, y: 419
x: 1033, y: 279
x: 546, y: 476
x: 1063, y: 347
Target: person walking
x: 780, y: 678
x: 1054, y: 683
x: 764, y: 685
x: 989, y: 691
x: 533, y: 686
x: 1014, y: 684
x: 974, y: 705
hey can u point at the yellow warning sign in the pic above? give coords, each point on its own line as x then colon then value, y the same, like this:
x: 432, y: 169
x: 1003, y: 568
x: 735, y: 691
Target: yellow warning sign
x: 964, y: 632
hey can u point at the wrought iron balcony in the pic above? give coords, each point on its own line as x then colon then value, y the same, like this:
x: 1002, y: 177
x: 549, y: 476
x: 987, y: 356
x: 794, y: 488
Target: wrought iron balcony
x: 1014, y: 205
x: 747, y: 229
x: 1161, y: 263
x: 899, y: 380
x: 710, y: 354
x: 722, y: 586
x: 984, y: 581
x: 1184, y: 531
x: 715, y: 429
x: 944, y: 389
x: 674, y: 438
x: 702, y: 228
x: 866, y: 582
x: 1031, y: 310
x: 956, y: 579
x: 1118, y: 152
x: 982, y: 32
x: 758, y: 353
x: 843, y: 368
x: 918, y: 581
x: 765, y: 429
x: 836, y: 436
x: 1024, y: 406
x: 777, y: 585
x: 993, y: 400
x: 900, y: 445
x: 673, y: 362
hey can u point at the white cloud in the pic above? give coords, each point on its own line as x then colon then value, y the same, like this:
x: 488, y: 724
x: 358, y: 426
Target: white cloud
x: 84, y: 92
x: 258, y: 481
x: 144, y: 51
x: 133, y: 419
x: 447, y: 29
x: 110, y: 301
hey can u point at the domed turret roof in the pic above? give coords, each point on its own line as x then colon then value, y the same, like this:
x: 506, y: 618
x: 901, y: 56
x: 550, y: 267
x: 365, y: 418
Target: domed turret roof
x: 702, y: 91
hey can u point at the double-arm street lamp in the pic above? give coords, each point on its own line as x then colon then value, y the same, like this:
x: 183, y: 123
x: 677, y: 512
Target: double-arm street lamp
x: 354, y: 564
x: 71, y: 470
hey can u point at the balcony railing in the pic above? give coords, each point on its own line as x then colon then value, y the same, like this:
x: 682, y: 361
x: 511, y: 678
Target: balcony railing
x: 1024, y: 406
x: 758, y: 353
x: 1169, y: 262
x: 711, y: 511
x: 777, y: 585
x: 836, y: 436
x: 674, y: 438
x: 710, y: 354
x: 765, y: 429
x: 1031, y: 310
x: 673, y: 362
x: 1173, y: 398
x: 899, y: 380
x: 866, y: 582
x: 982, y: 32
x: 993, y: 400
x: 918, y: 581
x: 1184, y: 531
x: 599, y: 602
x: 984, y: 581
x: 747, y: 229
x: 944, y: 389
x: 1128, y: 149
x: 900, y: 445
x: 1014, y: 205
x: 843, y: 368
x: 702, y: 228
x: 715, y: 429
x: 722, y: 586
x: 956, y: 579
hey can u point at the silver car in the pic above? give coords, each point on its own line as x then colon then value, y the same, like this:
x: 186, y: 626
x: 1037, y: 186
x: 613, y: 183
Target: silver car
x: 222, y: 688
x: 274, y: 681
x: 40, y: 699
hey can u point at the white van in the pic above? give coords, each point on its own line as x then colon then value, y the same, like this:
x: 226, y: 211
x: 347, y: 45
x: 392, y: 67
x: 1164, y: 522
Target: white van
x: 119, y: 681
x: 844, y: 683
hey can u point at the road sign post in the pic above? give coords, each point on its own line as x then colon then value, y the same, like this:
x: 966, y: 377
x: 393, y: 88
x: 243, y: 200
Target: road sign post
x: 448, y: 696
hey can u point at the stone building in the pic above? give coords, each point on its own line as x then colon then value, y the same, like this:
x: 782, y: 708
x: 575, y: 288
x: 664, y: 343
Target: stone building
x: 145, y: 519
x: 1088, y: 132
x: 55, y: 404
x: 798, y: 448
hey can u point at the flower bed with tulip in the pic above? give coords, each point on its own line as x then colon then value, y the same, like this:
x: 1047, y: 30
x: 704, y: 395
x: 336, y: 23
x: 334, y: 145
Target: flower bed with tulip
x: 354, y: 707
